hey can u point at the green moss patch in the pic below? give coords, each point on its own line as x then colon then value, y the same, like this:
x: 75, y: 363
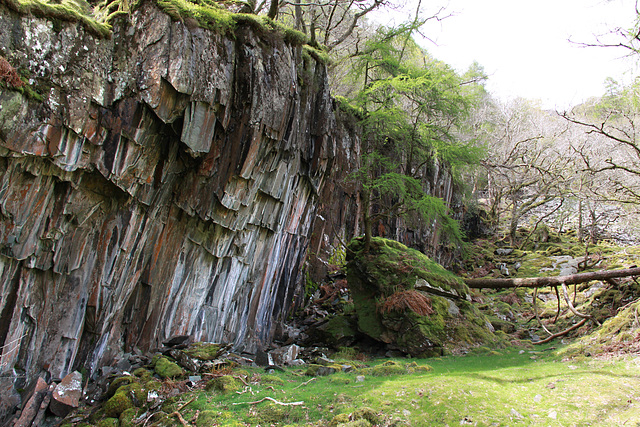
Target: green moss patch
x: 64, y: 10
x: 167, y: 369
x: 203, y: 350
x: 117, y: 404
x: 224, y: 384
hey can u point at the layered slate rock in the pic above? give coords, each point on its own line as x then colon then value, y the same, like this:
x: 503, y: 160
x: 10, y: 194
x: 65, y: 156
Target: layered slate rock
x: 166, y: 185
x: 410, y: 303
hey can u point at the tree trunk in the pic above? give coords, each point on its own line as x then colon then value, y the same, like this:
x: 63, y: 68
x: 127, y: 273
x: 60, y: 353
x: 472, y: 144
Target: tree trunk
x: 540, y: 282
x: 366, y: 219
x: 273, y: 9
x: 580, y: 232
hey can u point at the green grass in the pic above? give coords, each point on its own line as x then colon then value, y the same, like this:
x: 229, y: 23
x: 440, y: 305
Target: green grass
x: 492, y: 389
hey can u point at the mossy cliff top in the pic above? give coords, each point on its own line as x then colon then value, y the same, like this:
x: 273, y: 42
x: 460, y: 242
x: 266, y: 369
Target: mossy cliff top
x: 392, y: 266
x: 96, y: 18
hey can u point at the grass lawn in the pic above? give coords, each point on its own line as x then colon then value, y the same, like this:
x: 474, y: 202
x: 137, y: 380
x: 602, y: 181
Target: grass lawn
x: 493, y: 389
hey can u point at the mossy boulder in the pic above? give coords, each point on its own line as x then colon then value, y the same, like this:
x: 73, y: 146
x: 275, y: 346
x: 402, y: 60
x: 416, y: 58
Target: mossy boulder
x: 116, y: 405
x: 204, y: 350
x: 224, y: 384
x: 167, y: 369
x: 144, y: 374
x: 339, y: 419
x: 117, y: 383
x: 408, y: 301
x: 136, y: 392
x: 366, y: 414
x: 385, y: 369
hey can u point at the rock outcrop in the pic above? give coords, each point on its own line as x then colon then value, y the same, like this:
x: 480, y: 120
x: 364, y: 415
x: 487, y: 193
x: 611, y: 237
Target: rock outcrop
x: 171, y: 181
x: 166, y: 185
x: 407, y: 302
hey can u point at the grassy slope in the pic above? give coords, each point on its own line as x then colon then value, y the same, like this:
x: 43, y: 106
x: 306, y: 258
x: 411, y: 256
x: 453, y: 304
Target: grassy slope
x: 528, y: 388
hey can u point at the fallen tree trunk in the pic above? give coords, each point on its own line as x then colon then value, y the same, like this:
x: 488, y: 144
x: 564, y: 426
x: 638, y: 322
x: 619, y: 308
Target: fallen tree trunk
x: 539, y: 282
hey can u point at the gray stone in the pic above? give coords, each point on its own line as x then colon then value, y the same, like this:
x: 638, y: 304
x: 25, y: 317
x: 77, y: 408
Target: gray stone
x: 324, y: 371
x: 284, y: 355
x: 66, y: 396
x: 504, y: 251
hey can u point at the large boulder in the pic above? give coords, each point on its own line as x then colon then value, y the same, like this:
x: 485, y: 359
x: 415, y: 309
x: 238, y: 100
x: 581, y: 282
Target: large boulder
x: 409, y: 302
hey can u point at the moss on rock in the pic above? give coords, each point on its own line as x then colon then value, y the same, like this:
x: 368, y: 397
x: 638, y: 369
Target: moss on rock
x: 167, y: 369
x: 117, y: 383
x: 203, y: 350
x: 127, y: 417
x: 108, y: 422
x: 224, y: 384
x: 116, y: 405
x: 391, y: 311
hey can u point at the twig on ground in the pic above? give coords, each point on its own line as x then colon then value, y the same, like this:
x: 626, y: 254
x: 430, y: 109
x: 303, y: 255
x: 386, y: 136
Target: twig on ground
x: 272, y: 400
x: 238, y: 377
x: 178, y: 415
x: 304, y: 383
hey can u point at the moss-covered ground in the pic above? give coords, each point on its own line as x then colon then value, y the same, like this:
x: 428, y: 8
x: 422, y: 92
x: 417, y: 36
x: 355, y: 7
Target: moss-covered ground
x: 485, y: 388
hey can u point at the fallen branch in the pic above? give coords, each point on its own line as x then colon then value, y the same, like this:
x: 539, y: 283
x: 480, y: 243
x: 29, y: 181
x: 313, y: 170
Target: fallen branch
x: 238, y: 377
x: 565, y: 292
x: 559, y: 334
x: 178, y: 415
x: 272, y: 400
x: 539, y: 282
x: 555, y: 319
x: 304, y: 383
x: 535, y: 311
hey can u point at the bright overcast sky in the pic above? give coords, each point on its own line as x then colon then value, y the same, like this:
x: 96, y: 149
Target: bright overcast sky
x: 524, y: 47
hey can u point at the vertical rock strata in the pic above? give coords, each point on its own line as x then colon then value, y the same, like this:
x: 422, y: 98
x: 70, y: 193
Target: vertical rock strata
x: 166, y: 185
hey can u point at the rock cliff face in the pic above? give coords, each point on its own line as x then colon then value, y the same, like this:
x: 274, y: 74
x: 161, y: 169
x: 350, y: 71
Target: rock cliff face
x: 172, y: 181
x: 166, y: 185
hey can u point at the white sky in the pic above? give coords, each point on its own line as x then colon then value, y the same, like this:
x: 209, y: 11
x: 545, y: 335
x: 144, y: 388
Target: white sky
x: 523, y: 45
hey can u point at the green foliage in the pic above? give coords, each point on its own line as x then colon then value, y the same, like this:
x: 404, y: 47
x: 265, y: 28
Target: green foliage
x: 319, y: 55
x: 410, y: 107
x: 339, y: 257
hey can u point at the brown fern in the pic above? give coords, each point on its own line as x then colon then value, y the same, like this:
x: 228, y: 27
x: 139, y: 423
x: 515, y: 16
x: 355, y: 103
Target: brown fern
x: 407, y: 300
x: 9, y: 74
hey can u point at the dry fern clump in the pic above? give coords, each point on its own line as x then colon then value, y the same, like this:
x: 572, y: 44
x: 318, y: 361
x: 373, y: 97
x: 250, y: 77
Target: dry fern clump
x: 9, y: 74
x: 410, y: 299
